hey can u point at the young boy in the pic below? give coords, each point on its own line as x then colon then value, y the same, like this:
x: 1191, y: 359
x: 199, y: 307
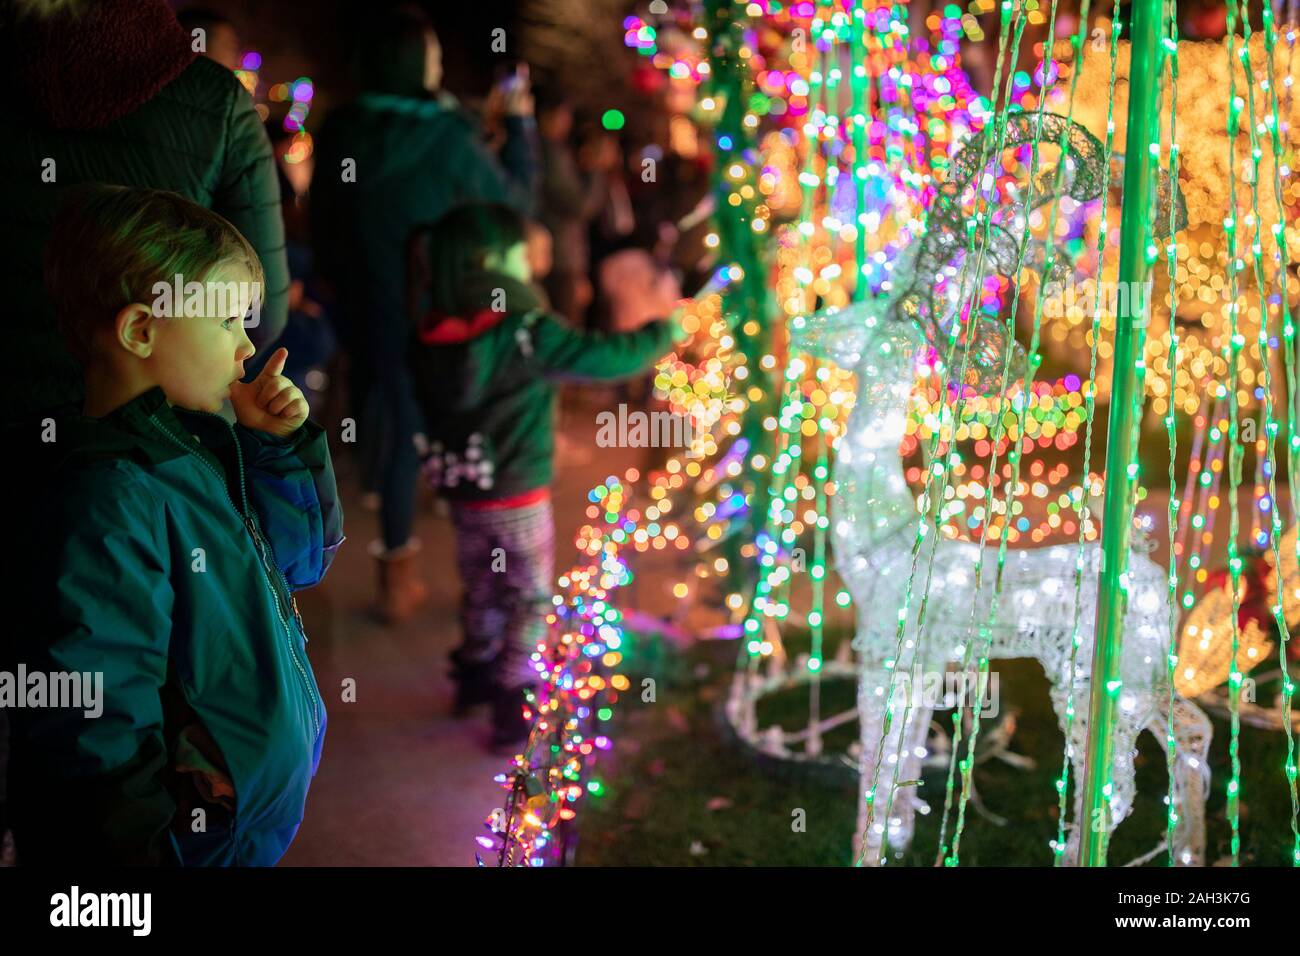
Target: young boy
x: 486, y: 367
x: 170, y: 547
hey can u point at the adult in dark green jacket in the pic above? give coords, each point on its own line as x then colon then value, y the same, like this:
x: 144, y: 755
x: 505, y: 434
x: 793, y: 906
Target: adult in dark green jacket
x: 173, y: 545
x: 400, y: 155
x: 111, y: 91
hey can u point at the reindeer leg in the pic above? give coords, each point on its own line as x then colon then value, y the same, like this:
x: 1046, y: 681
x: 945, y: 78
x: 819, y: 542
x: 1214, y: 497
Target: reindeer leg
x: 879, y: 753
x: 1122, y: 774
x: 907, y: 799
x: 1192, y: 735
x: 1122, y: 768
x: 1076, y: 750
x: 1128, y: 724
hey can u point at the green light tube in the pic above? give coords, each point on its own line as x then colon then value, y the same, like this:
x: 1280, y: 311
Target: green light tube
x: 1134, y: 266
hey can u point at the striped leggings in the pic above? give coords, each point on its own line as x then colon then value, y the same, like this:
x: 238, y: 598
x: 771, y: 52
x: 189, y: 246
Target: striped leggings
x: 506, y: 559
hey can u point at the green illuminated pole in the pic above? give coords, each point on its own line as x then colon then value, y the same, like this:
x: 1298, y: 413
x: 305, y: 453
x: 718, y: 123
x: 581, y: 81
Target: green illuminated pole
x: 739, y: 244
x: 1121, y: 470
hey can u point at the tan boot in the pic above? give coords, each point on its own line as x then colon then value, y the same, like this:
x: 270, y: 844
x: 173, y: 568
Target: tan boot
x: 401, y: 592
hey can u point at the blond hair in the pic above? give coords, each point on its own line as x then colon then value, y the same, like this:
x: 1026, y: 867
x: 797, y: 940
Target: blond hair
x: 109, y: 246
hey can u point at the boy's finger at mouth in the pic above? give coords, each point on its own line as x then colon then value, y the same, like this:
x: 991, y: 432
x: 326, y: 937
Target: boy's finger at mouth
x: 272, y: 387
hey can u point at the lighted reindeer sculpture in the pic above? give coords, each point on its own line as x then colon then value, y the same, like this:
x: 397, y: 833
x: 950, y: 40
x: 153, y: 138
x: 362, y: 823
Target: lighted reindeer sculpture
x: 875, y: 521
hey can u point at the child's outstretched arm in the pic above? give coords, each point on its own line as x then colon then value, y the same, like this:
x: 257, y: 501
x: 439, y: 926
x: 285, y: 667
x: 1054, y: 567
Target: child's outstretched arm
x: 96, y: 772
x: 566, y: 353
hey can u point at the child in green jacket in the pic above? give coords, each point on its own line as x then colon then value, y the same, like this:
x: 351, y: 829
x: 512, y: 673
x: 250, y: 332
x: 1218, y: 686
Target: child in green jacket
x: 171, y: 545
x: 486, y: 364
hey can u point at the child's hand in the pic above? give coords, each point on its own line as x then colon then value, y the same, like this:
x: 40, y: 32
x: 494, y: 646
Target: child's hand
x: 680, y: 334
x: 270, y: 403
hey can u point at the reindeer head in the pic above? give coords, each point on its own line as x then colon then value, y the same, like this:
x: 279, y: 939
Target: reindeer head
x: 933, y: 285
x: 868, y: 339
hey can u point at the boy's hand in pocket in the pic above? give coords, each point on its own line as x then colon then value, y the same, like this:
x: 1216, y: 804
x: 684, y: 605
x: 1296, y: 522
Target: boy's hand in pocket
x: 270, y: 403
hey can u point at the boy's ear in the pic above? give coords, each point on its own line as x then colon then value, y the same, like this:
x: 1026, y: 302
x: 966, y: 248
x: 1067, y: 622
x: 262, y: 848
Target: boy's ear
x: 135, y: 329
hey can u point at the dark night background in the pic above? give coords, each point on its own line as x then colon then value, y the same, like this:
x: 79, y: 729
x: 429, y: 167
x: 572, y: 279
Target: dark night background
x: 312, y: 38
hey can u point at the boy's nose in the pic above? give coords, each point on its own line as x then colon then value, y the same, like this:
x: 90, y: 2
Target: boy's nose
x: 246, y: 348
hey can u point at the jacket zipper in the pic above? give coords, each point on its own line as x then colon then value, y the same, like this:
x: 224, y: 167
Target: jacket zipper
x: 251, y: 525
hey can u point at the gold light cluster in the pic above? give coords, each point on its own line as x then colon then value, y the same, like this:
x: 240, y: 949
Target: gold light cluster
x: 1201, y: 300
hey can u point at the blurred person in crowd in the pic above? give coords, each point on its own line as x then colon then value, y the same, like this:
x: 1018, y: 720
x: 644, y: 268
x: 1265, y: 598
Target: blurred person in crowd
x: 635, y: 286
x: 541, y: 253
x: 631, y: 286
x: 486, y: 360
x: 672, y: 207
x: 402, y: 153
x: 309, y: 334
x: 568, y: 199
x: 600, y: 156
x: 294, y: 179
x: 220, y: 40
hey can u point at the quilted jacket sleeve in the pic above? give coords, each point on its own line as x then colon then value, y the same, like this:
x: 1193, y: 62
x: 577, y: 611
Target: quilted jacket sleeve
x: 291, y: 488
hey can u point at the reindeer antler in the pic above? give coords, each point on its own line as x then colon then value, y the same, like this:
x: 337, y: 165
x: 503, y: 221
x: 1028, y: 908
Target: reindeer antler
x: 927, y: 289
x: 1080, y: 174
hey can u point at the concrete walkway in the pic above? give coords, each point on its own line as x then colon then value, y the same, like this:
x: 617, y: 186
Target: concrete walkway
x: 401, y: 782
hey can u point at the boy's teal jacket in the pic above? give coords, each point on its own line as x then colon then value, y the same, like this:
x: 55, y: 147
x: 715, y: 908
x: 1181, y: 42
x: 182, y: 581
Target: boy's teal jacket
x: 172, y: 542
